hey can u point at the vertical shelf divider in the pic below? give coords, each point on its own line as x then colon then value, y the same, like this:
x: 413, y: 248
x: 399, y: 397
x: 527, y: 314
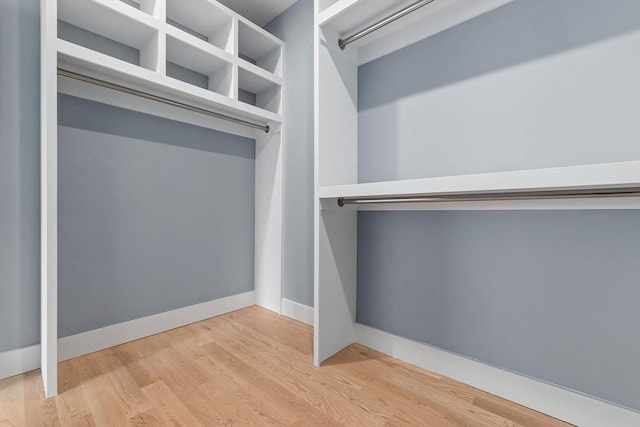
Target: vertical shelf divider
x: 233, y: 40
x: 159, y: 12
x: 49, y: 197
x: 336, y: 151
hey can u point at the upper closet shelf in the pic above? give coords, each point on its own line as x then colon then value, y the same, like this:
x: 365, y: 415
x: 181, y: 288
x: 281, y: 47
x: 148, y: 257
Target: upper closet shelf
x: 345, y: 17
x: 79, y: 59
x: 196, y: 52
x: 588, y: 177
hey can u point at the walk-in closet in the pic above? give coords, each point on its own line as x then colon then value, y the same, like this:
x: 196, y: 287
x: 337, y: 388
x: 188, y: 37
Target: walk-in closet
x: 320, y: 212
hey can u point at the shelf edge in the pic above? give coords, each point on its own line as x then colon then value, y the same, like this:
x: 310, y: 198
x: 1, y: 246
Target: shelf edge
x: 593, y: 176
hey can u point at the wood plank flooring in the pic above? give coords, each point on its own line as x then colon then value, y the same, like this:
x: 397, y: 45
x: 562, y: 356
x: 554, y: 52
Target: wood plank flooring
x: 249, y: 368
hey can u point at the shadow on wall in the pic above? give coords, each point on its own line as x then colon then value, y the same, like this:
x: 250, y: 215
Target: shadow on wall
x: 529, y: 85
x: 93, y: 116
x: 516, y: 33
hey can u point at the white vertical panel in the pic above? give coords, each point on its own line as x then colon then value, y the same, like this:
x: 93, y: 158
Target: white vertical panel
x: 49, y: 197
x: 317, y: 8
x: 335, y: 302
x: 268, y: 218
x: 338, y: 112
x: 336, y: 162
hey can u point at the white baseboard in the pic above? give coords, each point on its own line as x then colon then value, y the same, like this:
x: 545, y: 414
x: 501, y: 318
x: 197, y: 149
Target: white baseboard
x: 573, y: 407
x: 296, y: 311
x: 19, y: 361
x: 99, y: 339
x: 14, y: 362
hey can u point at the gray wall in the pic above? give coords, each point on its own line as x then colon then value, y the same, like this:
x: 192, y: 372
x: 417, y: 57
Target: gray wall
x: 553, y: 295
x: 295, y: 27
x: 19, y: 174
x: 507, y: 90
x: 550, y: 294
x: 153, y: 215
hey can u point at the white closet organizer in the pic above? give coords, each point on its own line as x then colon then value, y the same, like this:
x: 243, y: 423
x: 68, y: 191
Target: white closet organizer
x: 336, y: 161
x: 207, y: 65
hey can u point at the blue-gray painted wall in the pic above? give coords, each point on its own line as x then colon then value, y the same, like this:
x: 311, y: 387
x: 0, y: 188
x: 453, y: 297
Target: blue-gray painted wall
x: 19, y: 173
x: 154, y: 215
x: 549, y: 294
x: 462, y: 101
x: 554, y: 295
x: 295, y: 27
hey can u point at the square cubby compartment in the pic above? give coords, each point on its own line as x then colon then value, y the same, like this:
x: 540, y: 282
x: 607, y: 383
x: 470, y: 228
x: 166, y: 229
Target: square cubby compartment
x: 97, y: 27
x: 259, y: 91
x: 202, y: 19
x: 259, y: 48
x: 200, y: 68
x: 151, y: 7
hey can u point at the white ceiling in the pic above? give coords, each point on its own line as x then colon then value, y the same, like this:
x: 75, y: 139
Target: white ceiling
x: 259, y: 11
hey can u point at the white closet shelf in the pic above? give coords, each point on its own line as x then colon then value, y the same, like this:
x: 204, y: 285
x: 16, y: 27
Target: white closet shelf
x: 587, y: 177
x: 257, y: 78
x: 209, y: 19
x: 201, y: 47
x: 259, y: 48
x: 80, y: 59
x: 114, y: 20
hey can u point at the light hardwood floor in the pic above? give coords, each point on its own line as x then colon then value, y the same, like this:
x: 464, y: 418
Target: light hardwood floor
x: 249, y: 367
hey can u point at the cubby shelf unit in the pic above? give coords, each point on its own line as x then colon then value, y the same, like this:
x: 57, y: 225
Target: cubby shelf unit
x: 336, y: 176
x: 190, y: 51
x: 198, y: 58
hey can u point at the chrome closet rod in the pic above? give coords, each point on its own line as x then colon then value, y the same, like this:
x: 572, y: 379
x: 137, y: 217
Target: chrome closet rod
x: 141, y: 94
x: 534, y: 195
x: 342, y: 43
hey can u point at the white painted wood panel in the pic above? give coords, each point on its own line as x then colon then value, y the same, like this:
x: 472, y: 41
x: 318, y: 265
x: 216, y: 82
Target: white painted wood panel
x: 335, y: 296
x: 268, y: 219
x: 84, y: 90
x: 335, y: 136
x: 87, y: 61
x: 337, y: 112
x: 606, y: 175
x: 49, y: 197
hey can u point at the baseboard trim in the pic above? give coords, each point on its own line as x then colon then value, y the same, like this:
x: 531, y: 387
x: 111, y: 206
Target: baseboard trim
x: 19, y: 361
x: 296, y: 311
x: 573, y: 407
x: 109, y: 336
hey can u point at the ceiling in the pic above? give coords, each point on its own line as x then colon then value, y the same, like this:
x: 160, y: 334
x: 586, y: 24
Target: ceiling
x: 259, y: 11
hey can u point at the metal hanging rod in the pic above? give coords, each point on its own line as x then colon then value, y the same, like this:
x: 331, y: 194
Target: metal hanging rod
x: 534, y: 195
x: 141, y: 94
x: 342, y: 43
